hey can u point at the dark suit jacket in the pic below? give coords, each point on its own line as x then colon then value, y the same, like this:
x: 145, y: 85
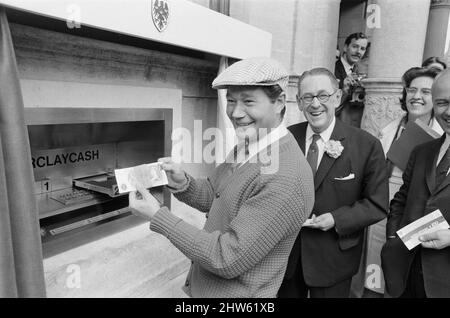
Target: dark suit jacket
x: 349, y: 112
x: 339, y: 72
x: 417, y: 197
x: 332, y: 256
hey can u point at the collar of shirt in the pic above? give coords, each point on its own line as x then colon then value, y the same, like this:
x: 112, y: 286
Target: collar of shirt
x: 443, y: 150
x: 401, y: 127
x: 324, y: 137
x: 435, y: 126
x: 348, y: 68
x: 257, y: 146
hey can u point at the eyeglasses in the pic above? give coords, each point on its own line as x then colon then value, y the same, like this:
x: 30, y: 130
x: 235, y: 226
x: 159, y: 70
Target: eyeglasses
x: 322, y: 97
x: 413, y: 91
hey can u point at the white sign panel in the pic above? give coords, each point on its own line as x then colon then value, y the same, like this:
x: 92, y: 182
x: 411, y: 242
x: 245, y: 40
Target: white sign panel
x: 178, y: 22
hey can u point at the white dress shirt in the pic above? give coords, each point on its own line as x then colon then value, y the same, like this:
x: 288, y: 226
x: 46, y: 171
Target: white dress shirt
x: 324, y: 137
x: 348, y: 68
x: 257, y: 146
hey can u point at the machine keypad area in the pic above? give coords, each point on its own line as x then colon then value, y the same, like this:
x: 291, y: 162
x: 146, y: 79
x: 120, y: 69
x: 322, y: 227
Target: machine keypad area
x: 73, y: 196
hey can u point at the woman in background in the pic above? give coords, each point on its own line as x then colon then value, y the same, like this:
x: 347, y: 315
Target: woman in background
x: 417, y: 104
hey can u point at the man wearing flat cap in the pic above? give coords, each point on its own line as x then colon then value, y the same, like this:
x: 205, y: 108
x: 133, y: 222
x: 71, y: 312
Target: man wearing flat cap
x: 253, y: 213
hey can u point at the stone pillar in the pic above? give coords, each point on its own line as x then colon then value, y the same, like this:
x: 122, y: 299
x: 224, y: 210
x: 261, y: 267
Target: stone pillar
x: 396, y: 46
x: 438, y: 29
x: 304, y: 35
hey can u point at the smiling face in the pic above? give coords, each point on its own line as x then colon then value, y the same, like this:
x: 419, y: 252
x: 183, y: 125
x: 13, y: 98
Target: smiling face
x: 250, y: 109
x: 355, y: 50
x: 418, y: 98
x: 319, y: 114
x: 441, y: 101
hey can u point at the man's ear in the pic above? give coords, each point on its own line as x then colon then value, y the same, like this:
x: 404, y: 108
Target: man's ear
x: 339, y: 95
x: 299, y: 102
x: 344, y: 50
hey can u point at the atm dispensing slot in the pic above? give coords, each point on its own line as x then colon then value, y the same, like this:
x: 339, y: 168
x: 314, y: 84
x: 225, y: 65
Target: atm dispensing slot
x: 103, y: 183
x: 85, y: 189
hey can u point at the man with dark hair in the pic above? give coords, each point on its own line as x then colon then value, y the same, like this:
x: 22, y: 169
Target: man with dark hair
x: 351, y: 193
x: 254, y: 211
x: 347, y: 72
x: 355, y: 47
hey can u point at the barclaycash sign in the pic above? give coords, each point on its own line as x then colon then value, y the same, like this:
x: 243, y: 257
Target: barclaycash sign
x: 64, y: 158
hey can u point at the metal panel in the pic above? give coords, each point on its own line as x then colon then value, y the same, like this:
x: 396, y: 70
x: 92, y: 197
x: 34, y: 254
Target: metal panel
x: 72, y: 143
x: 50, y: 115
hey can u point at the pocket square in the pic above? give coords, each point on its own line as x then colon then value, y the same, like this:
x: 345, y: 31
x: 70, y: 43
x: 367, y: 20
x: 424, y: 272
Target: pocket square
x: 349, y: 177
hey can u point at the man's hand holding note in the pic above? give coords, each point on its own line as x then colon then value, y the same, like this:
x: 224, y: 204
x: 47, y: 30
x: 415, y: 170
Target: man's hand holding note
x: 148, y: 175
x: 431, y: 222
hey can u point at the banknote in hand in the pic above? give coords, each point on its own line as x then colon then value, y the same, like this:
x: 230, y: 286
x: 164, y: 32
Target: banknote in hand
x: 148, y: 175
x: 429, y: 223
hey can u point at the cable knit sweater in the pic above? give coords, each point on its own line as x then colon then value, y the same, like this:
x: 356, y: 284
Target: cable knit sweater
x: 253, y: 219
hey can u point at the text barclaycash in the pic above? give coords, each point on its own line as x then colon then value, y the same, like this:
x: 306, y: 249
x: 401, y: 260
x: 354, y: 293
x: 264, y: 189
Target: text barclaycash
x: 64, y: 158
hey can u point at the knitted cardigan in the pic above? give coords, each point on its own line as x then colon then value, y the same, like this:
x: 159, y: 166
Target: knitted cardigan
x: 253, y: 219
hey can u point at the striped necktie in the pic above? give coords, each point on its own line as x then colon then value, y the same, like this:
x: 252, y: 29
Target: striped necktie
x: 442, y: 168
x: 313, y: 154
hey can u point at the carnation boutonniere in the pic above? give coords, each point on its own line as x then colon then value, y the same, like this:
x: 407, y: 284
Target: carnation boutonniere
x: 333, y: 148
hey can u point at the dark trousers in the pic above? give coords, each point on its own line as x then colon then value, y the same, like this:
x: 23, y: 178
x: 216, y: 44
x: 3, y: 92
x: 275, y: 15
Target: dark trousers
x: 415, y: 287
x: 296, y: 287
x: 292, y: 289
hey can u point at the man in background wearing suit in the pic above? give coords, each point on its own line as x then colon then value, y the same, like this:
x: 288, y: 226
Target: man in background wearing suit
x: 351, y: 193
x: 355, y: 46
x: 425, y: 270
x: 346, y: 71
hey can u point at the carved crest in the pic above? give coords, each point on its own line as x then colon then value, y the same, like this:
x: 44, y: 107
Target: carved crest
x: 160, y: 14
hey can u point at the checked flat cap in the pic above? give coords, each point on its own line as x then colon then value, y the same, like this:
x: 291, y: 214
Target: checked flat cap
x: 257, y: 71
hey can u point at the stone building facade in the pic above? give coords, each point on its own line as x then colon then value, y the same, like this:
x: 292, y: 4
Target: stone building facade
x: 306, y: 34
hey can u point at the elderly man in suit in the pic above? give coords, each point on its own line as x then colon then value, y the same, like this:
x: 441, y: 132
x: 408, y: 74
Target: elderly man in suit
x: 425, y: 270
x: 351, y: 193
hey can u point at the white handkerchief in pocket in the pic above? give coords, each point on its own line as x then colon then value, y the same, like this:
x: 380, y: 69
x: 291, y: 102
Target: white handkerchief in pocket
x: 349, y: 177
